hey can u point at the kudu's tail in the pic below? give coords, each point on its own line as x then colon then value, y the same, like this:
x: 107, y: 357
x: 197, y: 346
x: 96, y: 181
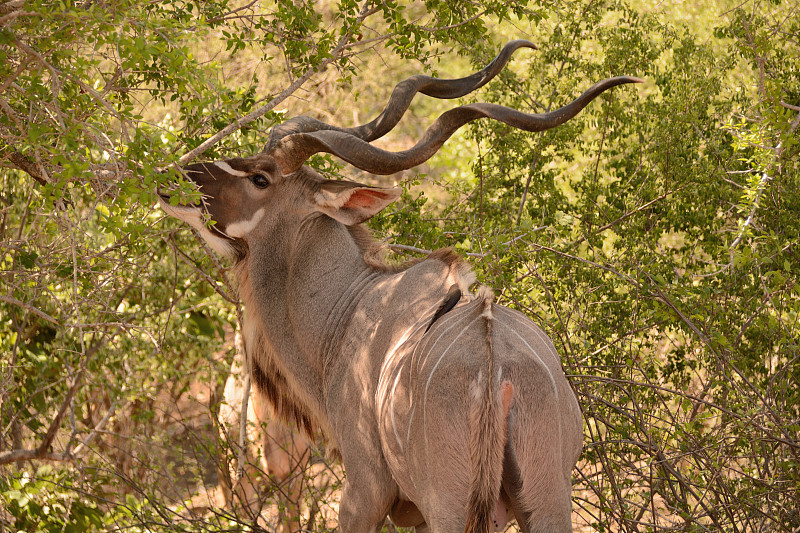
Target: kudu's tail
x: 488, y: 421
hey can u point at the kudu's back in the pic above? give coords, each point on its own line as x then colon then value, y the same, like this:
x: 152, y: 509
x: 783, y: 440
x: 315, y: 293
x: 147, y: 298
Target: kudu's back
x: 499, y: 448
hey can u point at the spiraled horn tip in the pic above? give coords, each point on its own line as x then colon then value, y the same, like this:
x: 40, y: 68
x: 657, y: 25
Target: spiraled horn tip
x: 523, y: 43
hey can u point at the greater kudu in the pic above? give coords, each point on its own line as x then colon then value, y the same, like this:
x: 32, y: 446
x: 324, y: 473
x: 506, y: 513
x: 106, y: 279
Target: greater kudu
x: 450, y: 412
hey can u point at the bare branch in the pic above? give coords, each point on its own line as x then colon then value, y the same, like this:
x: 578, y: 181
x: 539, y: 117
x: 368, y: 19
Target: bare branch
x: 247, y: 119
x: 85, y: 442
x: 11, y: 5
x: 722, y: 357
x: 283, y: 95
x: 242, y: 347
x: 5, y: 19
x: 232, y: 12
x: 762, y: 185
x: 15, y: 456
x: 54, y: 73
x: 28, y: 307
x: 24, y: 163
x: 43, y: 450
x: 227, y: 296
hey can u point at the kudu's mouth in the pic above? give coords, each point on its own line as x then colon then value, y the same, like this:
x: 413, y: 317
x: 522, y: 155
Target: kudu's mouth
x: 186, y: 212
x: 165, y: 195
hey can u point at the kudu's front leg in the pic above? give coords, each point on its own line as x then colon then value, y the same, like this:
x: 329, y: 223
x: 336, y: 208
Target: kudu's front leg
x: 361, y: 510
x: 369, y: 490
x: 287, y: 452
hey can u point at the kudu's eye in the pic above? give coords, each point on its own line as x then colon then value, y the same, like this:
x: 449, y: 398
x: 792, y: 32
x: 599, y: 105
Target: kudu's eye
x: 260, y: 181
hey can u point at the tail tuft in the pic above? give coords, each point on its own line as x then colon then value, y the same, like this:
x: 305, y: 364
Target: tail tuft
x: 488, y: 437
x: 488, y: 419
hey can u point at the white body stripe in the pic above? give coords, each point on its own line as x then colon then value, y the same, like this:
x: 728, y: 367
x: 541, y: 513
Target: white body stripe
x: 538, y: 357
x: 430, y: 376
x: 449, y: 317
x: 391, y: 411
x: 549, y: 373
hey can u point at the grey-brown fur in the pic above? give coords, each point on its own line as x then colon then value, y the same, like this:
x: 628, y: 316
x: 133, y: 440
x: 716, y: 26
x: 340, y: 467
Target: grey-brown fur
x: 441, y: 428
x: 338, y: 345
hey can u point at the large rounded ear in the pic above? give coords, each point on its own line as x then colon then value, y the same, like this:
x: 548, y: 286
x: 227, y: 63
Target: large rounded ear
x: 353, y: 203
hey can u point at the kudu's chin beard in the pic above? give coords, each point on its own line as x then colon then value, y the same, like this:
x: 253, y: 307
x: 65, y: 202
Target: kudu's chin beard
x: 234, y: 249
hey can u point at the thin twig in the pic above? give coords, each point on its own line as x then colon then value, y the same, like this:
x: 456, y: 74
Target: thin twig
x: 283, y: 95
x: 96, y: 430
x: 762, y: 185
x: 532, y: 169
x: 53, y: 72
x: 43, y: 450
x: 7, y: 83
x: 243, y: 423
x: 186, y: 259
x: 660, y: 295
x: 229, y: 13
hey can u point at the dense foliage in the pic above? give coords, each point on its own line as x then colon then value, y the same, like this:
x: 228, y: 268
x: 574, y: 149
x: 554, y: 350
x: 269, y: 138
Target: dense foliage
x: 655, y: 237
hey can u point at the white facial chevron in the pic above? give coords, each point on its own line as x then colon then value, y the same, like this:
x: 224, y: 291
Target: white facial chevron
x: 230, y: 170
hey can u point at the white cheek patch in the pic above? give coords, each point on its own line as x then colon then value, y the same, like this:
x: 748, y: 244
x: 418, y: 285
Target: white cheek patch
x: 243, y: 227
x: 222, y: 165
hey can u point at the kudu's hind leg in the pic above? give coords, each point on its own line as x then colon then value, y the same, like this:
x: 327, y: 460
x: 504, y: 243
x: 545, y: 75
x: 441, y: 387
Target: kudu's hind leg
x: 537, y: 472
x: 360, y: 510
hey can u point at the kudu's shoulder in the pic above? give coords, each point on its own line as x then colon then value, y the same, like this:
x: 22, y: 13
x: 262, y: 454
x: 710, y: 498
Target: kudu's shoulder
x: 442, y: 267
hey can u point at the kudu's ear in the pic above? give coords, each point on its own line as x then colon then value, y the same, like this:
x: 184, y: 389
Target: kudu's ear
x: 353, y: 203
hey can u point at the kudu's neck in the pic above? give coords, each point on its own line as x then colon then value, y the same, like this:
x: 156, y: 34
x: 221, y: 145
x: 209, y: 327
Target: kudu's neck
x: 299, y: 277
x: 308, y: 278
x: 319, y: 302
